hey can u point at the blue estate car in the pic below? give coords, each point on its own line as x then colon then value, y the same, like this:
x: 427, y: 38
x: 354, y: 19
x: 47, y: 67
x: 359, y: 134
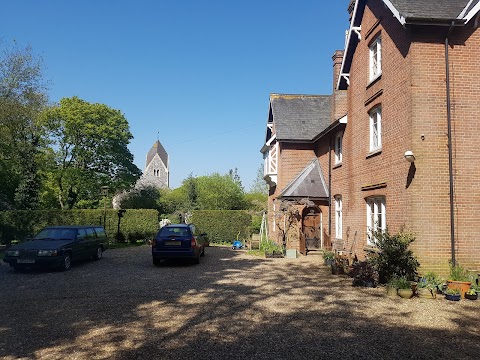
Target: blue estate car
x: 177, y: 241
x: 58, y: 246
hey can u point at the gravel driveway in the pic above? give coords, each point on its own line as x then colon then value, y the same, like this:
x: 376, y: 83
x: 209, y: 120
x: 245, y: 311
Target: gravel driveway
x: 231, y: 306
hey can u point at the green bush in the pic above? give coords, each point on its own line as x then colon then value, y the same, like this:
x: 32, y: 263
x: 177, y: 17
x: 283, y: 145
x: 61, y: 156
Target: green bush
x: 394, y: 259
x: 136, y: 224
x: 222, y: 225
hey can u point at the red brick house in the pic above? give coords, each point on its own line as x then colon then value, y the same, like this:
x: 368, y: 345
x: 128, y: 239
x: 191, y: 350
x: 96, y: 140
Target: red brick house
x: 402, y: 147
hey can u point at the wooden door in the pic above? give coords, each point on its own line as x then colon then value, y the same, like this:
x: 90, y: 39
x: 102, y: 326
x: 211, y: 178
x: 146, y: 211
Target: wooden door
x: 311, y: 229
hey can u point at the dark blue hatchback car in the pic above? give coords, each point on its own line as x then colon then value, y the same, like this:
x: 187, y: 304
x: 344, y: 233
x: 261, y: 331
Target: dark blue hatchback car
x: 177, y: 241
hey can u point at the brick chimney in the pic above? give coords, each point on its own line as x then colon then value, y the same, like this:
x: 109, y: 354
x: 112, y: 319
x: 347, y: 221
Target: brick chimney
x: 340, y: 106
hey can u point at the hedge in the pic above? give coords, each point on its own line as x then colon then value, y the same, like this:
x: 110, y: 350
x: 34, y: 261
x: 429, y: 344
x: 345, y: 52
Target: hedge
x: 136, y: 224
x: 223, y: 225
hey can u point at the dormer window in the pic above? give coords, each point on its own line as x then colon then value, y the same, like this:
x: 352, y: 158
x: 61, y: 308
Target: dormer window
x: 375, y: 58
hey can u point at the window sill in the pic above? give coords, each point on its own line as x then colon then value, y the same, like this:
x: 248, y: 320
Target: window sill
x: 374, y: 80
x: 374, y: 153
x: 336, y: 166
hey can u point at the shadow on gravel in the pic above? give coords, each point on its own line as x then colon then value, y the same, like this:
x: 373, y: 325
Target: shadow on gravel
x: 231, y: 306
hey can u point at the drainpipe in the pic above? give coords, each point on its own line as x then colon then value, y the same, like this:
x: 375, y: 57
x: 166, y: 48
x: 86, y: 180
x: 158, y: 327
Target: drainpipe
x: 450, y: 150
x: 330, y: 189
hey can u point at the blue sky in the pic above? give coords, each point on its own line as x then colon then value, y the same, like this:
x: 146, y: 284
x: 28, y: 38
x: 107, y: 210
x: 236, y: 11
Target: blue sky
x: 198, y: 73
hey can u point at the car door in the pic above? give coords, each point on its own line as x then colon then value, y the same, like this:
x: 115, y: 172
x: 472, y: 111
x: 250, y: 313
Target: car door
x: 80, y: 247
x: 91, y: 243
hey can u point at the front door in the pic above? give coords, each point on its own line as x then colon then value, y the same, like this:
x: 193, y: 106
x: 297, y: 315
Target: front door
x: 311, y: 228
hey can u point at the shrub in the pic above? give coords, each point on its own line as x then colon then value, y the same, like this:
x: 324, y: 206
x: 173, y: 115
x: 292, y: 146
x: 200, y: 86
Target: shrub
x: 222, y: 225
x: 364, y: 274
x: 136, y: 224
x: 394, y: 259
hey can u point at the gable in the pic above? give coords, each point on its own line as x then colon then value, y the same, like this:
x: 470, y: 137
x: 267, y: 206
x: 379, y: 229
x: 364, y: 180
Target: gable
x: 309, y: 183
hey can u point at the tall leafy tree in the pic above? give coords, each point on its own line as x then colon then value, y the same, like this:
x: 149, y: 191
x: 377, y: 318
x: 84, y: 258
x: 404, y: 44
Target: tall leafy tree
x: 219, y: 192
x: 23, y: 95
x: 89, y: 142
x: 259, y: 185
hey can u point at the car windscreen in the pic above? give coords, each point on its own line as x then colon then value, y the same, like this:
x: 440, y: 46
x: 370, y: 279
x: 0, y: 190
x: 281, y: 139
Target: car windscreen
x: 56, y: 234
x: 173, y: 232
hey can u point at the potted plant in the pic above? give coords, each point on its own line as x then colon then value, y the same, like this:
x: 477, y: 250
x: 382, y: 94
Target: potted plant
x: 452, y: 294
x: 429, y: 285
x: 338, y: 266
x: 471, y: 294
x: 404, y: 287
x: 459, y: 279
x: 364, y: 274
x: 392, y: 287
x: 328, y: 257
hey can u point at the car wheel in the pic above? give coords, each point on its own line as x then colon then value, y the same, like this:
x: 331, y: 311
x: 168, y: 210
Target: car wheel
x: 66, y: 262
x: 98, y: 255
x: 156, y: 262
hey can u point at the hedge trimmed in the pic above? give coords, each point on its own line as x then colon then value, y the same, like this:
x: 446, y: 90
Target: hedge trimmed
x: 136, y: 224
x: 223, y: 225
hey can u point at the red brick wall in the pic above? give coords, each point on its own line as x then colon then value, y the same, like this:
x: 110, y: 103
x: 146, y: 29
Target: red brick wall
x: 411, y: 92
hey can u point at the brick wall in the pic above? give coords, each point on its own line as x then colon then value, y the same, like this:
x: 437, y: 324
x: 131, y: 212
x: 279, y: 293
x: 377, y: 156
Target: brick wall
x: 411, y: 91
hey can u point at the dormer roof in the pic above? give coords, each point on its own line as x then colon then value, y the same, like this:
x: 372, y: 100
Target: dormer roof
x: 309, y: 183
x: 157, y: 148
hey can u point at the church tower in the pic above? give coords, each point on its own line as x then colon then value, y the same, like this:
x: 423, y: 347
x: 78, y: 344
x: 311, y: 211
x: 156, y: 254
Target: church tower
x: 156, y: 171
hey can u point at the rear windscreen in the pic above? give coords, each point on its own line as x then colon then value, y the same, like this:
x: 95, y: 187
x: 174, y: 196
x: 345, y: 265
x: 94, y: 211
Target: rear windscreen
x: 174, y: 231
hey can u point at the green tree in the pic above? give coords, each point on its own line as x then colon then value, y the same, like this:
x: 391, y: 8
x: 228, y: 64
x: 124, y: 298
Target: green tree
x: 23, y: 95
x: 259, y: 185
x: 219, y: 192
x: 89, y: 143
x: 146, y: 197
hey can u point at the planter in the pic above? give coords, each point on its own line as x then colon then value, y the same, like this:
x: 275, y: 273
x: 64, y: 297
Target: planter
x: 463, y: 286
x: 471, y: 297
x: 454, y: 297
x: 337, y: 270
x: 274, y: 255
x: 425, y: 293
x: 328, y: 262
x: 392, y: 291
x: 405, y: 293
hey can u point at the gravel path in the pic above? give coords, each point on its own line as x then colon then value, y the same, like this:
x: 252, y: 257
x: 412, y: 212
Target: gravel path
x: 231, y: 306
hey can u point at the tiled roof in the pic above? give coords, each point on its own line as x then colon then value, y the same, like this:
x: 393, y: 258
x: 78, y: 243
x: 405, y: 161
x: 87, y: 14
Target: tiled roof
x: 310, y: 183
x: 157, y: 148
x: 431, y: 9
x: 299, y: 117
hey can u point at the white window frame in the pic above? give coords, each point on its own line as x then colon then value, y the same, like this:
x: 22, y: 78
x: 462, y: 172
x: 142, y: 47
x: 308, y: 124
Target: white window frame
x: 375, y: 55
x: 376, y: 216
x: 375, y: 128
x: 338, y: 148
x: 338, y: 217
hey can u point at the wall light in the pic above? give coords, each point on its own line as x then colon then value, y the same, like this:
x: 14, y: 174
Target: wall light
x: 409, y: 156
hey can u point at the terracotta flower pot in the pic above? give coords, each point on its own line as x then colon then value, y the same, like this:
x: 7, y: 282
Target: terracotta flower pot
x: 463, y: 286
